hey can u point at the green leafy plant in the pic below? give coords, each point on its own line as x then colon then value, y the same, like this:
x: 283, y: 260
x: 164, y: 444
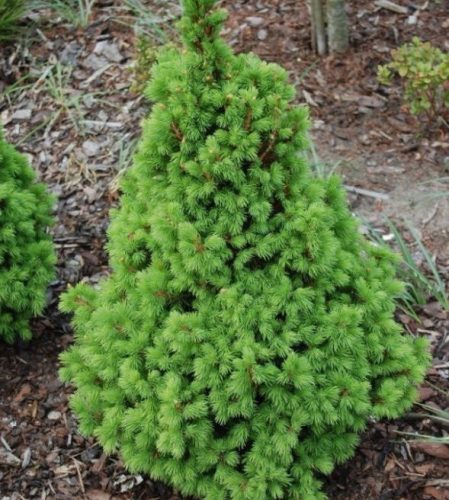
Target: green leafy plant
x: 152, y: 31
x: 27, y: 256
x: 423, y: 283
x: 424, y: 73
x: 75, y: 12
x: 67, y: 102
x: 10, y: 13
x: 148, y: 24
x: 438, y: 416
x: 319, y: 167
x: 435, y: 415
x: 246, y: 333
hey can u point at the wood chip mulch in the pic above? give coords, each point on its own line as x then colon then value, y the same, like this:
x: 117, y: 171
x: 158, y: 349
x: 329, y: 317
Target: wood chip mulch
x: 65, y: 100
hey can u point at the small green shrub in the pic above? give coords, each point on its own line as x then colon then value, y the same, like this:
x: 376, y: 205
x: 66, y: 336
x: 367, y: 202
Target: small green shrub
x: 424, y: 73
x: 246, y: 334
x: 10, y: 13
x: 27, y: 256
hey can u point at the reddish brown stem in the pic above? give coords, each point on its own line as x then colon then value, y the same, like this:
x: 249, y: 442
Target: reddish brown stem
x: 177, y: 132
x: 248, y: 119
x: 268, y: 149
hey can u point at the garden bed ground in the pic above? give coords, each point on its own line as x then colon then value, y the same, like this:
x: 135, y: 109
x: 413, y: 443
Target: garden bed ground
x: 65, y: 100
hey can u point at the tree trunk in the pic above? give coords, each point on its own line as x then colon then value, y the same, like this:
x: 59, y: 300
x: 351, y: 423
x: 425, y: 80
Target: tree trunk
x: 330, y: 30
x: 337, y: 26
x: 318, y: 27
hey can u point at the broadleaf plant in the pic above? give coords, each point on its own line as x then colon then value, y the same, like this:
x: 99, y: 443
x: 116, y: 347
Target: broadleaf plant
x: 424, y: 74
x: 27, y: 256
x: 246, y: 333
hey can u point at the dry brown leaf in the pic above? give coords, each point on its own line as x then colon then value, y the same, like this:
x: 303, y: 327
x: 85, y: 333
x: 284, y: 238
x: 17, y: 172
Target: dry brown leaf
x: 97, y: 495
x: 424, y: 468
x: 437, y: 450
x: 391, y: 464
x: 437, y: 493
x: 99, y: 464
x: 25, y: 391
x: 426, y: 393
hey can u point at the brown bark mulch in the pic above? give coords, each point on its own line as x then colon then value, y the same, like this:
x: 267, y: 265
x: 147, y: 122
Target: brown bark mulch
x: 65, y: 100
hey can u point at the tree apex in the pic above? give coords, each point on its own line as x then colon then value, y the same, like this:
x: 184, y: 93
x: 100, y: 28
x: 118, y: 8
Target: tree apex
x: 201, y: 23
x: 196, y: 8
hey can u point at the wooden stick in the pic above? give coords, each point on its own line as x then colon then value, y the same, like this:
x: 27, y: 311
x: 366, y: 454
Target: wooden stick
x: 367, y: 192
x: 394, y: 7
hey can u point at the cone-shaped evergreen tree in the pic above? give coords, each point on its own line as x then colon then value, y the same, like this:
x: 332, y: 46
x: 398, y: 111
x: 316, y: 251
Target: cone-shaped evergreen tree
x: 27, y: 257
x: 246, y: 333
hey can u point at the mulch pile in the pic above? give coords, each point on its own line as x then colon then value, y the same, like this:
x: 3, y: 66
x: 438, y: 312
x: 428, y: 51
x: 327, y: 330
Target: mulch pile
x: 65, y: 100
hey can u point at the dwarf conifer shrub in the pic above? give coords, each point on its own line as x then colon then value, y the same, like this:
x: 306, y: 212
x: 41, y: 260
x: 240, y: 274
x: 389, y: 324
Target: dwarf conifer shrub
x: 27, y: 256
x: 246, y: 333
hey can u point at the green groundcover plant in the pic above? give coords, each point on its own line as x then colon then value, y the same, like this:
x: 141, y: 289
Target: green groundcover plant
x: 10, y: 13
x: 424, y: 73
x: 27, y: 257
x: 246, y: 333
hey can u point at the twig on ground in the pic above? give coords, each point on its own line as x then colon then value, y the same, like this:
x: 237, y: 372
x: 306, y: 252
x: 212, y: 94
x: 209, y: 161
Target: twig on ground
x: 80, y: 478
x: 431, y: 215
x: 420, y: 417
x: 367, y: 192
x: 394, y: 7
x: 443, y: 366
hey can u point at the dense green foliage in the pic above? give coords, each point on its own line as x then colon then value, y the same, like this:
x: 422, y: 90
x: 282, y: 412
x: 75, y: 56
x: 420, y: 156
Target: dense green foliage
x: 10, y: 13
x: 246, y: 333
x: 27, y: 257
x: 424, y: 73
